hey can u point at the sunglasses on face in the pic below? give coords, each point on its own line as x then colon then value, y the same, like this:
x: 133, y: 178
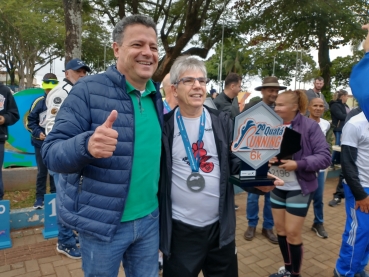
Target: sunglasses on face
x: 190, y: 81
x: 50, y: 81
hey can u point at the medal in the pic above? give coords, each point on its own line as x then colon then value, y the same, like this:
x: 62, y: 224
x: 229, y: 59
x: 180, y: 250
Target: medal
x: 195, y: 182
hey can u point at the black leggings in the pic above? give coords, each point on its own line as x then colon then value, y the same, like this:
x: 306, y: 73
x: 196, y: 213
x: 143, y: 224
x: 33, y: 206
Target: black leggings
x: 293, y: 201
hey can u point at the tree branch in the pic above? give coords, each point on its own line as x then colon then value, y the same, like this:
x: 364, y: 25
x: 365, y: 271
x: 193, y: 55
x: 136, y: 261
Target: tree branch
x: 111, y: 18
x: 164, y: 37
x: 198, y: 51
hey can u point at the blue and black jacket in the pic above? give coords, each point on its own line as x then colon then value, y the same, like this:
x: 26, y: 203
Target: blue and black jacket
x: 94, y: 190
x: 38, y: 108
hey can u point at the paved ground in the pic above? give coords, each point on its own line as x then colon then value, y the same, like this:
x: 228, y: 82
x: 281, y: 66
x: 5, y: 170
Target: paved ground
x: 32, y: 256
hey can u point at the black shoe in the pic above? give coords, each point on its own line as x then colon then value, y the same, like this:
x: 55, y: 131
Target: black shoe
x: 318, y: 228
x: 336, y: 273
x: 236, y: 207
x: 334, y: 202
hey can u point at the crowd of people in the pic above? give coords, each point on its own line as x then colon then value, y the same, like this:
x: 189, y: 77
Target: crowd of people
x: 135, y: 174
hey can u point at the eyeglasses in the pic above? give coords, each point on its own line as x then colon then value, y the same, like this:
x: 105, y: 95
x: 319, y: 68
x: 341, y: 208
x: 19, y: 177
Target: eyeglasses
x: 190, y: 81
x: 50, y: 81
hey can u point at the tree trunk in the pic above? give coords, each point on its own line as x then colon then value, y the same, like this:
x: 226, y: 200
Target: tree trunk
x: 30, y: 73
x: 164, y: 67
x: 10, y: 69
x: 325, y: 64
x: 73, y: 27
x: 21, y: 69
x: 121, y: 8
x: 12, y: 77
x: 167, y: 61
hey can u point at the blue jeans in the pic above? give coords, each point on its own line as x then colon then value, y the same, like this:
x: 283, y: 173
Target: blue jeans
x: 337, y: 155
x: 252, y: 211
x: 318, y: 198
x: 65, y: 235
x: 136, y: 244
x: 1, y: 170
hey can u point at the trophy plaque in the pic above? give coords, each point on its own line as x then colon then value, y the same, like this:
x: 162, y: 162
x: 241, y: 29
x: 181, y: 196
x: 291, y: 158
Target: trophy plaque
x: 257, y: 137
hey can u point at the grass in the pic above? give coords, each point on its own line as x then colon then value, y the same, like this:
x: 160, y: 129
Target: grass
x: 21, y: 199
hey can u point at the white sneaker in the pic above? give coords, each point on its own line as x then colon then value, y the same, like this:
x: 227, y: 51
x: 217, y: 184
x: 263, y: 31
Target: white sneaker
x: 281, y: 270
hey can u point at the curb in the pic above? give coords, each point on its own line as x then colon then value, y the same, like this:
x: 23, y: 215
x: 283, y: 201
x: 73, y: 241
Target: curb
x: 26, y: 217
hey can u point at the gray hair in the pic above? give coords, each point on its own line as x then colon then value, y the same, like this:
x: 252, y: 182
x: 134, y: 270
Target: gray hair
x: 121, y: 26
x: 184, y: 63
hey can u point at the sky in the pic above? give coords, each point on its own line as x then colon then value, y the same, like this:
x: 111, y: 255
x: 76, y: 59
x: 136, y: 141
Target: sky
x: 58, y: 66
x: 343, y: 51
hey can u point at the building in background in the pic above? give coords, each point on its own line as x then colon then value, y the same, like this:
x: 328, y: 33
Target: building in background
x: 5, y: 79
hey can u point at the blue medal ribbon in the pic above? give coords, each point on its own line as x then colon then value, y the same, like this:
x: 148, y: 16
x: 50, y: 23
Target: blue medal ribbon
x: 194, y: 162
x: 166, y: 105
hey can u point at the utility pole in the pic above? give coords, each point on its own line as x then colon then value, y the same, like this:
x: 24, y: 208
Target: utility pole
x: 104, y: 56
x: 221, y: 52
x: 300, y: 65
x: 297, y: 58
x: 218, y: 78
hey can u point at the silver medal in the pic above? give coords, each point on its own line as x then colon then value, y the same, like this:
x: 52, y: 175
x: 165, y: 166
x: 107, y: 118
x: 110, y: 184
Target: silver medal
x: 195, y: 182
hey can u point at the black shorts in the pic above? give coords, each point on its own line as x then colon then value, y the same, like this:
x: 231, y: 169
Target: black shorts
x: 197, y: 248
x: 293, y: 201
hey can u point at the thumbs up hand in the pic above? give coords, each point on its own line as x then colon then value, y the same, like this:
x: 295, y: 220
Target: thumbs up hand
x: 103, y: 142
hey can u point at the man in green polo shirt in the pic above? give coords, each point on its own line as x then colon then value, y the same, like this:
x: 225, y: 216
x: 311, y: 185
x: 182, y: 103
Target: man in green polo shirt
x: 107, y: 143
x: 143, y: 189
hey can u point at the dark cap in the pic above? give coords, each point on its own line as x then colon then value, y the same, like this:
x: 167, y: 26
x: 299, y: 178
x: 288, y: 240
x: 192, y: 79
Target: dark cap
x: 48, y: 76
x: 76, y: 64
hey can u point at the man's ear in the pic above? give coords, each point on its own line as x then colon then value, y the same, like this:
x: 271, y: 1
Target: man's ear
x: 116, y: 46
x: 173, y: 89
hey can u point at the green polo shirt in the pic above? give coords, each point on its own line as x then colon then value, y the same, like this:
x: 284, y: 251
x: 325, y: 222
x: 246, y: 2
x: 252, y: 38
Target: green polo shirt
x: 142, y: 196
